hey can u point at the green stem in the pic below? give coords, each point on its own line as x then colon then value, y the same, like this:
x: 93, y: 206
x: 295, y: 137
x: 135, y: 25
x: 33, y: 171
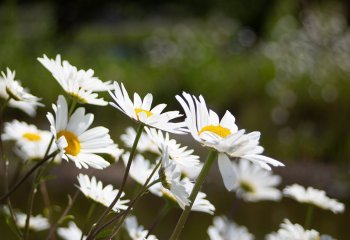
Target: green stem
x: 308, y: 218
x: 141, y: 193
x: 91, y: 210
x: 204, y: 172
x: 165, y: 210
x: 30, y: 172
x: 144, y: 189
x: 30, y: 206
x: 65, y: 212
x: 72, y: 107
x: 125, y: 177
x: 12, y: 214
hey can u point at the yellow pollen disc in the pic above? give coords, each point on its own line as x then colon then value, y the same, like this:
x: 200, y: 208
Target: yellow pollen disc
x: 247, y: 187
x: 139, y: 110
x: 218, y: 130
x: 73, y: 147
x: 32, y: 136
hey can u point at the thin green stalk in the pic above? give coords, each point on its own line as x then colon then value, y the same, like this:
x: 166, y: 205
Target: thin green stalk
x: 91, y: 210
x: 126, y: 213
x: 165, y: 210
x: 13, y: 217
x: 204, y: 172
x: 30, y: 172
x: 65, y: 212
x: 143, y: 190
x: 30, y: 207
x: 72, y: 107
x: 308, y: 218
x: 125, y: 177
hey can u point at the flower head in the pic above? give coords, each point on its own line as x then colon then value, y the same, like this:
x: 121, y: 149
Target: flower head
x: 79, y: 84
x: 180, y: 155
x: 94, y: 190
x: 170, y: 179
x: 222, y: 135
x: 253, y: 183
x: 135, y: 231
x: 313, y: 196
x: 72, y: 232
x: 75, y: 140
x: 31, y: 142
x: 223, y: 229
x: 19, y: 97
x: 36, y: 223
x: 141, y: 111
x: 289, y: 231
x: 141, y: 169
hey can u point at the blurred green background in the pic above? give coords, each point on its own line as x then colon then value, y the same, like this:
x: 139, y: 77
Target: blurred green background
x: 281, y: 67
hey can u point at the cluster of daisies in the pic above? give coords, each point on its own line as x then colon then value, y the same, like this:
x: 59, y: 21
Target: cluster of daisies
x: 154, y: 160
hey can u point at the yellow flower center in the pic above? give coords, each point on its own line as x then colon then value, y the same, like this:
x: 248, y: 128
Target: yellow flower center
x: 218, y: 130
x: 73, y: 147
x: 139, y: 110
x: 247, y: 187
x: 34, y: 137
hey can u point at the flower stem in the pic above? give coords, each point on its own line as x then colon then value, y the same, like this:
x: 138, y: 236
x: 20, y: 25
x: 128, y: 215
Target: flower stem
x: 65, y: 212
x: 309, y: 213
x: 125, y: 177
x: 143, y: 190
x: 30, y: 172
x: 165, y: 210
x: 30, y: 206
x: 204, y: 172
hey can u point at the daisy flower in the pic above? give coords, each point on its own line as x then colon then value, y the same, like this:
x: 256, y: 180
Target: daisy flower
x: 19, y: 97
x: 141, y: 169
x: 222, y: 135
x: 72, y: 232
x: 135, y: 231
x: 289, y: 231
x: 94, y: 190
x: 31, y: 142
x: 75, y: 140
x: 79, y: 84
x: 180, y: 155
x: 313, y: 196
x: 253, y: 183
x: 145, y: 144
x: 141, y: 111
x: 36, y: 223
x: 22, y: 132
x: 170, y: 179
x: 223, y: 229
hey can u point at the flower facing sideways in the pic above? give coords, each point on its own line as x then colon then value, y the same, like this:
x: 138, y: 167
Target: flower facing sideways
x: 253, y: 183
x: 223, y: 136
x: 81, y: 85
x: 36, y: 223
x: 141, y: 111
x: 31, y: 142
x: 313, y: 196
x: 75, y: 140
x: 180, y: 155
x: 94, y: 190
x: 18, y: 96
